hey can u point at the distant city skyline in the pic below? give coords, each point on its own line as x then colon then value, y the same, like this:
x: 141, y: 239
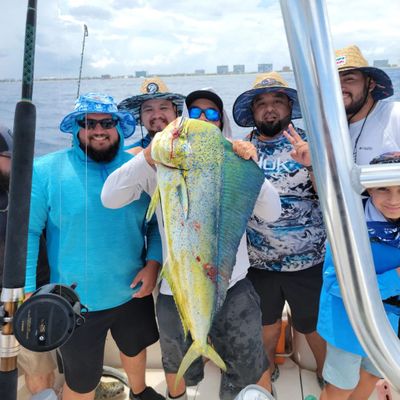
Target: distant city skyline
x: 145, y: 74
x: 174, y: 37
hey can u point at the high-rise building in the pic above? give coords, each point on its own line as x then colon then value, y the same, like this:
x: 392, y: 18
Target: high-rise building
x: 238, y: 69
x: 381, y: 63
x: 199, y: 71
x: 222, y: 69
x: 141, y: 74
x: 265, y: 67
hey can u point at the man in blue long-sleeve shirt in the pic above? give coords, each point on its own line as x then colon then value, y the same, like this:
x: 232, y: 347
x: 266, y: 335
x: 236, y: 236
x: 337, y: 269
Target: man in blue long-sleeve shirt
x: 112, y: 255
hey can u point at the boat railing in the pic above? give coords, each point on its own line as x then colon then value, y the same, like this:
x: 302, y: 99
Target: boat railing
x: 340, y: 181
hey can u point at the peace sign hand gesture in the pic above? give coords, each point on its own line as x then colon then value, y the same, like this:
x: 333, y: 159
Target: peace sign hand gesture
x: 301, y: 150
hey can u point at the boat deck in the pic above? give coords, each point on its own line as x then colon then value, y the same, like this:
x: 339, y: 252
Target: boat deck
x: 294, y: 383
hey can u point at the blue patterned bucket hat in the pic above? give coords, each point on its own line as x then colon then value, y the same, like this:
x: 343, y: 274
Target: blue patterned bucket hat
x: 97, y: 103
x: 351, y: 57
x: 264, y: 83
x: 151, y: 89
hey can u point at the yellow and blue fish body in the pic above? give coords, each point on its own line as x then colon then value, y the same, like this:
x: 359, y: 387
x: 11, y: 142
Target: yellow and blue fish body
x: 207, y: 196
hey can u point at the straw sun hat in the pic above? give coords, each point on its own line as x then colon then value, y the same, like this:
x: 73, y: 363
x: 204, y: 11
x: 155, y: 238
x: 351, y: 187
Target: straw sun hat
x: 264, y: 83
x: 151, y: 89
x: 351, y: 57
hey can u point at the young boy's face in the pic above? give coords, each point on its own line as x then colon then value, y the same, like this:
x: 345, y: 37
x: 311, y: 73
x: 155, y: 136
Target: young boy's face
x: 387, y: 201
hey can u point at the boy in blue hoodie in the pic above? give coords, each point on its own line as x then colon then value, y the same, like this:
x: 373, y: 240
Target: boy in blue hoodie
x: 347, y: 369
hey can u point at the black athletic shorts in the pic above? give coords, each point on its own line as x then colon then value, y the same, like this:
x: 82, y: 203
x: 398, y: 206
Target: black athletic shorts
x: 301, y: 289
x: 133, y: 327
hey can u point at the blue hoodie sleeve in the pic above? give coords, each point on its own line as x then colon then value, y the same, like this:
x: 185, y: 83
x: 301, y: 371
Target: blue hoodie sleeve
x: 154, y: 247
x: 386, y: 257
x: 37, y: 222
x: 388, y: 282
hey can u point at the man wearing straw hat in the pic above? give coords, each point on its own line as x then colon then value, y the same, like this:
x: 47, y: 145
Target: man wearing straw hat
x: 154, y: 108
x: 286, y: 256
x: 374, y: 124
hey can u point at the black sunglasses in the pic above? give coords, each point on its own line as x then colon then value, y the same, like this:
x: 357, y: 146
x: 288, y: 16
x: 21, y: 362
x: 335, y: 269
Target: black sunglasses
x: 88, y: 123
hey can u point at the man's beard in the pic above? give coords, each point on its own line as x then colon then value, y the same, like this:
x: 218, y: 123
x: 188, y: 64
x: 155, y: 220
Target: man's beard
x: 356, y: 105
x: 4, y: 181
x: 103, y: 156
x: 272, y: 129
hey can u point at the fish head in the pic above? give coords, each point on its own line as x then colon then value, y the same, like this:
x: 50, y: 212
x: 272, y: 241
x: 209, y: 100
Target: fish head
x: 187, y: 142
x: 171, y: 146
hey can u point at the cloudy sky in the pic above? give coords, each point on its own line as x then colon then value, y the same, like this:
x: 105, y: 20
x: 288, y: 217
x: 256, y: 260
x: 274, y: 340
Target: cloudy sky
x: 171, y: 36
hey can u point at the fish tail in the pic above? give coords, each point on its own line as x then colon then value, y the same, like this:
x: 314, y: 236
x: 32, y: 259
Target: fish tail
x: 195, y: 351
x: 214, y: 357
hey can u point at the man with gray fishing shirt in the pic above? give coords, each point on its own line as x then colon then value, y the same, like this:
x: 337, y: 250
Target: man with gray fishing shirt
x: 241, y: 345
x: 286, y: 256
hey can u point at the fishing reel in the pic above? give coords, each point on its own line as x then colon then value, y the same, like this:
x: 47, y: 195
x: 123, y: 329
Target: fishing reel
x: 48, y: 318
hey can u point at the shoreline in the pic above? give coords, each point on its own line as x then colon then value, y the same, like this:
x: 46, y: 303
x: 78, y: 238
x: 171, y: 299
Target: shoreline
x: 108, y: 77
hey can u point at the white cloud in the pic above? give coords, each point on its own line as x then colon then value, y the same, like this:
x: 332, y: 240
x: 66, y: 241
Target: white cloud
x: 180, y: 36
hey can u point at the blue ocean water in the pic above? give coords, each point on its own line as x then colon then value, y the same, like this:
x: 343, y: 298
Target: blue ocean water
x: 54, y: 99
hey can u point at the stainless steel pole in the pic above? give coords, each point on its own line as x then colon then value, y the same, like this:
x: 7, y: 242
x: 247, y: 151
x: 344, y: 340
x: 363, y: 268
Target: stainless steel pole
x: 321, y: 101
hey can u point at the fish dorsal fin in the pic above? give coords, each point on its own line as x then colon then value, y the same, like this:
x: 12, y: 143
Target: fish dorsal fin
x: 155, y: 200
x: 241, y: 185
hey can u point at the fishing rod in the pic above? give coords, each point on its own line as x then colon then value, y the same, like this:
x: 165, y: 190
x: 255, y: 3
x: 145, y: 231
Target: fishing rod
x: 85, y: 34
x: 18, y: 214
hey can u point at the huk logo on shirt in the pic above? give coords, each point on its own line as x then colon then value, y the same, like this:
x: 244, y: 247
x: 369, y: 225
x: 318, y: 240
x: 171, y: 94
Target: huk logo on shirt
x: 278, y: 165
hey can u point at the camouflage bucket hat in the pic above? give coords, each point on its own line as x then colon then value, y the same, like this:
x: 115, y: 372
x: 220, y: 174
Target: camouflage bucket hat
x: 387, y: 158
x: 264, y: 83
x: 151, y: 89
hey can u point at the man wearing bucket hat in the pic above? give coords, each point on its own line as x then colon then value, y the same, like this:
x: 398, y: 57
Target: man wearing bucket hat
x: 286, y: 256
x: 111, y: 255
x: 154, y: 109
x: 348, y: 370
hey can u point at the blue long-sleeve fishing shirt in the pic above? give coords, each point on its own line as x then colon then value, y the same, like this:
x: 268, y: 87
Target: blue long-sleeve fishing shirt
x: 98, y: 248
x: 333, y: 323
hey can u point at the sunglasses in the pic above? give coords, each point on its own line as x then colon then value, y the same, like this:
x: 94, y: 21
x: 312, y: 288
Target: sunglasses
x: 211, y: 113
x: 106, y: 123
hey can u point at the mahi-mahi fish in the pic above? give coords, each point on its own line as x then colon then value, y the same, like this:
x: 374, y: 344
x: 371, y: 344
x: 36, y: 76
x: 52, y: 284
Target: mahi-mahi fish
x: 207, y: 195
